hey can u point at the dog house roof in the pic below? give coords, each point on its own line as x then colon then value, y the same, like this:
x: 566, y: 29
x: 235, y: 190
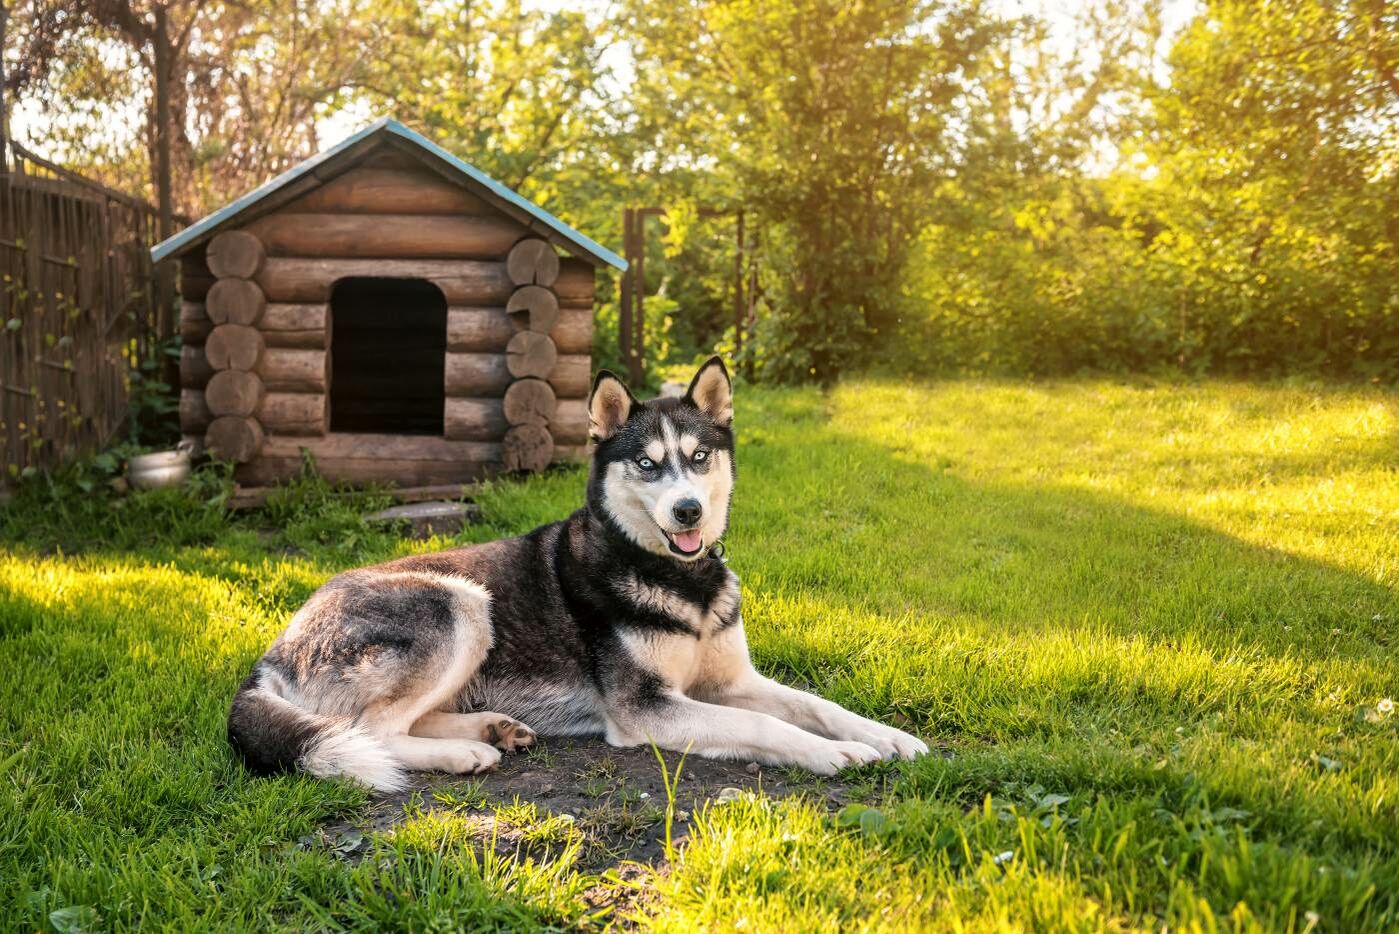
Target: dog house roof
x: 350, y: 149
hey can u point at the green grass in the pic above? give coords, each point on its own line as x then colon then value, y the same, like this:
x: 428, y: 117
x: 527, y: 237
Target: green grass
x: 1150, y: 624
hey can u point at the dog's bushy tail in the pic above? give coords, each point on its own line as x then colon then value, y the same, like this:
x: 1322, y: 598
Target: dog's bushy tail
x: 272, y: 734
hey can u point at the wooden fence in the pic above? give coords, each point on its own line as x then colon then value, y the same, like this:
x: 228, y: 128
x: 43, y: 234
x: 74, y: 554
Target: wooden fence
x: 631, y: 330
x: 80, y: 305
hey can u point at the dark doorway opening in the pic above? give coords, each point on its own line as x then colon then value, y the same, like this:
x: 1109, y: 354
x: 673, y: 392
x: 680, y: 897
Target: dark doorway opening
x: 388, y: 350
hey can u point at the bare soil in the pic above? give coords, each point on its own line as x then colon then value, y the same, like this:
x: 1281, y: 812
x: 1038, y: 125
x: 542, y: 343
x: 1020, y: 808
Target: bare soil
x: 615, y: 797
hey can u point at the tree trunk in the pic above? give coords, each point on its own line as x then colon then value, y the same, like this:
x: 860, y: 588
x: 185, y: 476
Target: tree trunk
x: 163, y: 63
x: 4, y: 110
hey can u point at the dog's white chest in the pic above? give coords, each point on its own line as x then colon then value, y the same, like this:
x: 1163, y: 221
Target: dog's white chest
x: 683, y: 659
x: 674, y: 658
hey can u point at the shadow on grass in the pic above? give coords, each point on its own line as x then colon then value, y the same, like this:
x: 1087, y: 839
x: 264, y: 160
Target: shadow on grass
x: 865, y: 526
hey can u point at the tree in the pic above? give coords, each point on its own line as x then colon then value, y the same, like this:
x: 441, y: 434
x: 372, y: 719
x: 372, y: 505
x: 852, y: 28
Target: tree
x: 1274, y: 198
x: 223, y: 94
x: 836, y: 122
x: 509, y: 89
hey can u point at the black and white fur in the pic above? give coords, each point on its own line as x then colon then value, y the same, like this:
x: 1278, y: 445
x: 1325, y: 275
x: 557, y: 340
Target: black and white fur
x: 618, y: 620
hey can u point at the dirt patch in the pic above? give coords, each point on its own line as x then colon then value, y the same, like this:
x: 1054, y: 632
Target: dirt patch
x: 614, y: 797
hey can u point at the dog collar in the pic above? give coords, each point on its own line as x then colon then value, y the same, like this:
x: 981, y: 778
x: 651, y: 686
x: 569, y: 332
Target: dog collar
x: 717, y: 549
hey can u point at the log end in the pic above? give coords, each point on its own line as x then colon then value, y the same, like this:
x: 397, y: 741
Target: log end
x: 235, y: 301
x: 532, y: 262
x: 529, y: 402
x: 527, y: 448
x: 234, y: 347
x: 234, y: 392
x: 235, y: 253
x: 530, y: 354
x: 234, y: 438
x: 534, y: 308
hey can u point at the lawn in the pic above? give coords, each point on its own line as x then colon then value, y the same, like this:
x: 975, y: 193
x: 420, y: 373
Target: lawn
x: 1148, y: 628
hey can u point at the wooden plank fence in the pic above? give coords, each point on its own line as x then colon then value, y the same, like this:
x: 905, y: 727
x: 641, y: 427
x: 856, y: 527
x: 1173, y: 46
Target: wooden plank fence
x: 80, y: 306
x: 631, y: 329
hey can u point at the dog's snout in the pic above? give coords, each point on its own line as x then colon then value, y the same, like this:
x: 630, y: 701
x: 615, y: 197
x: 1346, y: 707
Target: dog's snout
x: 687, y: 511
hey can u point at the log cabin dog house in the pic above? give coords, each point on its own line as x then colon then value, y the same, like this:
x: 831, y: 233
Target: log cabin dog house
x: 393, y: 311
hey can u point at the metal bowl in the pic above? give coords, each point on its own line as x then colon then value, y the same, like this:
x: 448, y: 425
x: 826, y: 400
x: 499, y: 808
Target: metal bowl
x: 163, y: 468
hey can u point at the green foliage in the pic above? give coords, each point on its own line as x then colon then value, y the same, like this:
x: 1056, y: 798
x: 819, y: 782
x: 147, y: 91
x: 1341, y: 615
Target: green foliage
x: 832, y: 121
x: 313, y: 514
x: 86, y: 506
x: 249, y: 82
x: 945, y: 191
x: 928, y: 185
x: 502, y: 85
x: 152, y: 406
x: 1248, y: 226
x: 83, y: 505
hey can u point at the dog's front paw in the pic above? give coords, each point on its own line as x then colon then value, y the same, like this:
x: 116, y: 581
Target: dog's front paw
x: 831, y: 756
x: 892, y: 743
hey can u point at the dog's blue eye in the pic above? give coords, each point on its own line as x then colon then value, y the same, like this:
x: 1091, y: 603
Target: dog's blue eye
x: 645, y: 463
x: 700, y: 455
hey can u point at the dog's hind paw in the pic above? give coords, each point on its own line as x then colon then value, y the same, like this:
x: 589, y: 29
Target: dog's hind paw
x: 509, y: 735
x: 470, y: 758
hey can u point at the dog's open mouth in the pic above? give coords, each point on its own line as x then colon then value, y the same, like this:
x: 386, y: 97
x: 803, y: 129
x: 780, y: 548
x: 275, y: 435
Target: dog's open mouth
x: 685, y: 543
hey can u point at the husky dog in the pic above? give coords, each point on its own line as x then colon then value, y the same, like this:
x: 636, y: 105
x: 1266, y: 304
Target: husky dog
x: 622, y: 619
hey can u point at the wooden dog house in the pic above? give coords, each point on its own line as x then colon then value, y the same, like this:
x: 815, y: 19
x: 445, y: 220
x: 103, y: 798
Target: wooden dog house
x: 391, y: 310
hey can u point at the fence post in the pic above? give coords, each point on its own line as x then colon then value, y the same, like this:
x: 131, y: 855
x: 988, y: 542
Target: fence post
x: 164, y: 198
x: 738, y: 287
x: 639, y: 293
x: 4, y: 106
x: 624, y: 342
x: 164, y: 273
x: 750, y: 300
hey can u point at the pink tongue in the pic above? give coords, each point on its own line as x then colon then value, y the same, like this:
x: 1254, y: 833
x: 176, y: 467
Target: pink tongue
x: 687, y: 541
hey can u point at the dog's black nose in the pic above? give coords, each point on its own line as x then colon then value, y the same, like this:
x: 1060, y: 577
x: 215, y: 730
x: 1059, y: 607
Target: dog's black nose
x: 688, y: 511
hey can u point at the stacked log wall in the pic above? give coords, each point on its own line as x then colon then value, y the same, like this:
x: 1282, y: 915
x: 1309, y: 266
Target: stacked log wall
x: 531, y: 356
x: 385, y: 220
x: 195, y: 326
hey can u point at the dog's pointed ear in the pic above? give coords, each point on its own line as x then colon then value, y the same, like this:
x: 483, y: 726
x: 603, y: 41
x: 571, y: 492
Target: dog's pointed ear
x: 712, y: 392
x: 609, y: 406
